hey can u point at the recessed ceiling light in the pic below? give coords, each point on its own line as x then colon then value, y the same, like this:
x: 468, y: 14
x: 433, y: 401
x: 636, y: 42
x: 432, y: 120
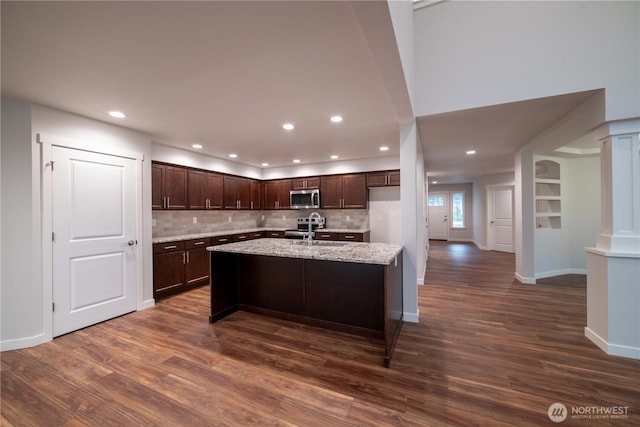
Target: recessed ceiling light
x: 471, y: 152
x: 288, y: 126
x: 334, y: 157
x: 233, y: 155
x: 265, y: 164
x: 198, y: 146
x: 384, y: 148
x: 336, y: 119
x: 117, y: 114
x: 296, y: 160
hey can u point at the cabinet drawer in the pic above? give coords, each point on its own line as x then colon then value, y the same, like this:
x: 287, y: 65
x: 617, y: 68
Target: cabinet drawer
x: 350, y: 237
x: 324, y: 235
x: 221, y: 240
x: 168, y: 247
x: 197, y: 243
x: 256, y: 235
x: 274, y: 234
x: 240, y: 237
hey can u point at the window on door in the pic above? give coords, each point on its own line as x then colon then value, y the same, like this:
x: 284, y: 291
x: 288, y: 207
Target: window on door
x: 436, y: 201
x: 457, y: 209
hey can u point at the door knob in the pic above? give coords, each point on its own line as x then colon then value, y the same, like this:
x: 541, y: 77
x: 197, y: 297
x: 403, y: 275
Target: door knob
x: 132, y: 242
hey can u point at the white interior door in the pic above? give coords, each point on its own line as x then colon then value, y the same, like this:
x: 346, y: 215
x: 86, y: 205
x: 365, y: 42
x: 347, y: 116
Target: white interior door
x: 94, y: 242
x: 501, y: 219
x: 438, y: 204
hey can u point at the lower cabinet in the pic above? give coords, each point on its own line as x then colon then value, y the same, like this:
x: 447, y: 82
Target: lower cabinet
x: 346, y: 237
x: 178, y: 266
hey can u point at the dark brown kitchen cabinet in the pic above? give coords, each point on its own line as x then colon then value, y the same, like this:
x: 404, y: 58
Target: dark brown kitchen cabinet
x: 196, y: 267
x: 276, y: 194
x: 273, y: 234
x: 237, y: 193
x: 168, y: 186
x: 325, y: 235
x: 310, y: 183
x: 383, y: 178
x: 344, y: 191
x: 353, y: 237
x: 205, y: 190
x: 168, y: 268
x: 255, y: 195
x: 178, y: 266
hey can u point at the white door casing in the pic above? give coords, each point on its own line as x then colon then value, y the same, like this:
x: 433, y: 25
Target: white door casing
x: 94, y: 245
x: 501, y: 219
x: 438, y: 210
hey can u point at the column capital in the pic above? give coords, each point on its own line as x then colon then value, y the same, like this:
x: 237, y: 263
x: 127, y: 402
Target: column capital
x: 619, y: 127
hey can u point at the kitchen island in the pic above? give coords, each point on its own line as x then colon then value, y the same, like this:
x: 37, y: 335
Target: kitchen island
x: 346, y: 286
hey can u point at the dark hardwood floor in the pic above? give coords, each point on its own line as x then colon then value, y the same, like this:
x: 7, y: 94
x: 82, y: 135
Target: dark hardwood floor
x: 487, y: 351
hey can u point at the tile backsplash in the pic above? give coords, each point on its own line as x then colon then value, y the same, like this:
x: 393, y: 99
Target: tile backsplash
x: 175, y: 222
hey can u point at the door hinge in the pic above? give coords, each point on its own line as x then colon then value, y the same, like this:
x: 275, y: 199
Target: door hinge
x: 50, y: 163
x: 53, y: 306
x: 53, y: 236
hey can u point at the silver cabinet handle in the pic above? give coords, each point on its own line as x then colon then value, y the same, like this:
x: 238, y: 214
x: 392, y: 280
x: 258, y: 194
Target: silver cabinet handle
x: 198, y: 243
x: 187, y: 257
x: 223, y: 240
x: 349, y: 237
x: 184, y: 258
x: 170, y: 247
x: 252, y: 205
x: 168, y: 202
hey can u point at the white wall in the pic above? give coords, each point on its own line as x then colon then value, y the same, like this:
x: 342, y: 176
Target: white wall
x: 27, y: 319
x: 385, y: 221
x: 584, y: 214
x: 478, y: 53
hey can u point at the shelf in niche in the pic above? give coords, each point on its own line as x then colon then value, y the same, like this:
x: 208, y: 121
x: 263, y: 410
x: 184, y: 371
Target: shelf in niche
x: 548, y: 222
x: 548, y: 206
x: 547, y: 169
x: 548, y: 189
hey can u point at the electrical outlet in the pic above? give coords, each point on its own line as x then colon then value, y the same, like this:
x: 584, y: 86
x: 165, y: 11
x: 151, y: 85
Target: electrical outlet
x: 229, y: 219
x: 284, y: 218
x: 153, y: 222
x: 348, y: 217
x: 262, y: 217
x: 195, y: 219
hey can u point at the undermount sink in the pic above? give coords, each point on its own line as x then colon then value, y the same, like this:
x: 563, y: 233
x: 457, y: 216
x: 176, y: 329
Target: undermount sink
x: 318, y: 243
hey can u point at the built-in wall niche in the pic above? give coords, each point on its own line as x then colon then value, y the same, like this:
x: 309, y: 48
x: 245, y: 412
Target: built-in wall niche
x: 548, y: 195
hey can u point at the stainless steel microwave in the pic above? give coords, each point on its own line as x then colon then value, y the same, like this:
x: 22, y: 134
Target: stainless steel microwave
x: 304, y: 199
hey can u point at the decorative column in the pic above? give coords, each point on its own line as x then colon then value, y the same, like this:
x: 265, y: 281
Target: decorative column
x: 613, y: 266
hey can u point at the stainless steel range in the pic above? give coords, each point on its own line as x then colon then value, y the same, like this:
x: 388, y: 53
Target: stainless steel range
x: 302, y: 232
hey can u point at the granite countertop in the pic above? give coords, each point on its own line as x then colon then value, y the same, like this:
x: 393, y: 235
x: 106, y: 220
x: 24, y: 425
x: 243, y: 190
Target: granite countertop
x: 363, y: 253
x: 180, y: 237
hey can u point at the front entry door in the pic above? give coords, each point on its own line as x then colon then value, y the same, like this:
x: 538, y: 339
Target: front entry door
x: 501, y: 219
x: 94, y: 241
x: 438, y: 216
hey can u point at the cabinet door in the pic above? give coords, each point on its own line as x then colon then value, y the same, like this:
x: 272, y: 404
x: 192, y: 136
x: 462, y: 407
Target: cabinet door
x: 376, y: 179
x: 230, y: 192
x: 196, y: 270
x: 168, y: 273
x: 214, y: 191
x: 244, y: 193
x: 175, y: 187
x: 270, y: 195
x: 197, y: 184
x: 312, y: 183
x: 255, y: 202
x: 331, y: 192
x: 298, y: 184
x: 157, y: 191
x: 354, y: 191
x: 394, y: 178
x: 284, y: 189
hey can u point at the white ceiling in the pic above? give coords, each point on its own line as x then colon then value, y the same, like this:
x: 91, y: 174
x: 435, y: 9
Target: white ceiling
x: 227, y: 75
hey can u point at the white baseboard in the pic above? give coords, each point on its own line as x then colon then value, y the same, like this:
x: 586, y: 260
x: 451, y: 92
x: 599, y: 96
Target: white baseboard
x: 560, y: 272
x: 147, y: 304
x: 612, y: 349
x: 525, y: 280
x: 23, y: 342
x: 411, y: 317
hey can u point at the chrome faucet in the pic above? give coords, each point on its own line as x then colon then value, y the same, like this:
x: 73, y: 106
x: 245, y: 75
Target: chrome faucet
x: 309, y: 237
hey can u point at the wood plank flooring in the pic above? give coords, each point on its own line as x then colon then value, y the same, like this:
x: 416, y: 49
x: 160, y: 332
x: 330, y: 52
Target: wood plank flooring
x: 487, y: 351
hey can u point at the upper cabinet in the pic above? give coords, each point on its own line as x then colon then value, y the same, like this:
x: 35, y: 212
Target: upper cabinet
x: 276, y: 194
x: 168, y: 186
x: 310, y: 183
x: 383, y: 178
x: 237, y: 193
x: 205, y: 190
x: 343, y: 191
x: 255, y: 195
